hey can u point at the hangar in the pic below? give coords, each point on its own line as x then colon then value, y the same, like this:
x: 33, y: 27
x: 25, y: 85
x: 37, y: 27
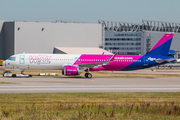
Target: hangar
x: 41, y: 37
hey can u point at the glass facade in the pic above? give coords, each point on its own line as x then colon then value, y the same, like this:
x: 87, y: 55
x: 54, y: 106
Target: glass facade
x: 124, y: 43
x: 178, y: 56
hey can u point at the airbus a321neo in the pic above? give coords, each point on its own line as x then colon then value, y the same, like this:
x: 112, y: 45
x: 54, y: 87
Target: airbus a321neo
x: 75, y: 64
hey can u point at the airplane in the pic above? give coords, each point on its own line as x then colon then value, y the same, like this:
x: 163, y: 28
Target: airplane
x: 75, y: 64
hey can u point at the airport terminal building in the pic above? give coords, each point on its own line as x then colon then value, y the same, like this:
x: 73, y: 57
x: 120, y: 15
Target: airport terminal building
x: 54, y: 37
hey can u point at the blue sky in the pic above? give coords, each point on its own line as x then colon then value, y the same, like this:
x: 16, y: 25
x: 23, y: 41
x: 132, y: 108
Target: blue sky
x: 90, y: 10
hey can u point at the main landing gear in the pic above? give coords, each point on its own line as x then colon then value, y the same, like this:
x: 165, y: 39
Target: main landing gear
x: 87, y: 74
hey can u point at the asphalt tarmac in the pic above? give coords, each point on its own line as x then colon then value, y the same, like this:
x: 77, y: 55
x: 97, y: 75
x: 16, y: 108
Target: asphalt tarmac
x: 38, y: 84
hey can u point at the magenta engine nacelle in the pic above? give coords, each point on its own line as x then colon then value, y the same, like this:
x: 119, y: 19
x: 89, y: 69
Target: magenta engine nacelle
x: 70, y: 70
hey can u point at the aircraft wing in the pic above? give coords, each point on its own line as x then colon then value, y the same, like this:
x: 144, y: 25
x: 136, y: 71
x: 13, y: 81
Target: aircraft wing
x: 92, y: 65
x: 165, y: 60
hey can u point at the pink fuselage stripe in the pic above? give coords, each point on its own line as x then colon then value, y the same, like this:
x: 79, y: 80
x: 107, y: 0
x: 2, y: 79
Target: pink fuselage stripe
x: 164, y: 39
x: 119, y: 62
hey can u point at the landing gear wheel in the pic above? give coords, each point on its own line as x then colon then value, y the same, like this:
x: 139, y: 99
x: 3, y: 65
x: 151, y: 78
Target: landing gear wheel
x: 3, y: 75
x: 88, y: 75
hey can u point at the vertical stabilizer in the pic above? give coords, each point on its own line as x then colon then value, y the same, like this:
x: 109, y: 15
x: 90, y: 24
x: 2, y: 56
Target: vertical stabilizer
x: 163, y: 46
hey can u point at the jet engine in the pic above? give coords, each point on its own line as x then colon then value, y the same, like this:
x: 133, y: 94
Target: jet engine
x: 71, y: 70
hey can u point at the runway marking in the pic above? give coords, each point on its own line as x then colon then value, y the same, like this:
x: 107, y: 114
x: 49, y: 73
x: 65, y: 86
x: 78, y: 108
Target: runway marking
x: 104, y: 86
x: 92, y: 80
x: 92, y: 87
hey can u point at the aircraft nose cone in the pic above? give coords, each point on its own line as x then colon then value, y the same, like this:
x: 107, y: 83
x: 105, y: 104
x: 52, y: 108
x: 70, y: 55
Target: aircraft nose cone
x: 3, y: 63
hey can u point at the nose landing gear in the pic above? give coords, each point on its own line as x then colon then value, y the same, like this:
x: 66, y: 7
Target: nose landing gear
x: 22, y: 72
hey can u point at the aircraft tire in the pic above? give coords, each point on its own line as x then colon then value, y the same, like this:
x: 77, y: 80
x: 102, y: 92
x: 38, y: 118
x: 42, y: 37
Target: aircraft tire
x: 3, y: 75
x: 86, y: 75
x: 30, y: 75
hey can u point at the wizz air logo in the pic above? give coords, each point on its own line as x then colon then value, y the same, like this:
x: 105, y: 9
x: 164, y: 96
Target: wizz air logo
x: 39, y: 59
x: 151, y: 59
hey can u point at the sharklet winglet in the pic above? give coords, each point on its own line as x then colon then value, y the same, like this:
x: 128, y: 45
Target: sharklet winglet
x: 112, y: 58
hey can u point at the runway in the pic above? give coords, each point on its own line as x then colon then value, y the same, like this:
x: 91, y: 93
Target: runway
x: 69, y: 84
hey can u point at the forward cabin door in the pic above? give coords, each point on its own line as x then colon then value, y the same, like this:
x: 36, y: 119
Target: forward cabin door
x: 22, y: 62
x: 22, y: 59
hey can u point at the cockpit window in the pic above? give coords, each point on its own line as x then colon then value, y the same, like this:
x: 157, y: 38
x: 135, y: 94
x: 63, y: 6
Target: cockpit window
x: 12, y: 58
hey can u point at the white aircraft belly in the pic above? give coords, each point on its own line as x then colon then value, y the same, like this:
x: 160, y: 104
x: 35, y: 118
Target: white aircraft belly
x: 52, y: 66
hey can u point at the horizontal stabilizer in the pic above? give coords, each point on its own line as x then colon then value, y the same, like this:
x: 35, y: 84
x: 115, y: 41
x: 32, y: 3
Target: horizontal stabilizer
x: 165, y: 60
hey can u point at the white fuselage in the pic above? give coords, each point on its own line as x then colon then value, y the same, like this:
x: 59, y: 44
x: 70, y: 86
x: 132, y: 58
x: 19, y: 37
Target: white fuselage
x: 40, y: 61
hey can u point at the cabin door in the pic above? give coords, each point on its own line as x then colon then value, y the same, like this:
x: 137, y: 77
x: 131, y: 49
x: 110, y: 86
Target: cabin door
x: 22, y: 59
